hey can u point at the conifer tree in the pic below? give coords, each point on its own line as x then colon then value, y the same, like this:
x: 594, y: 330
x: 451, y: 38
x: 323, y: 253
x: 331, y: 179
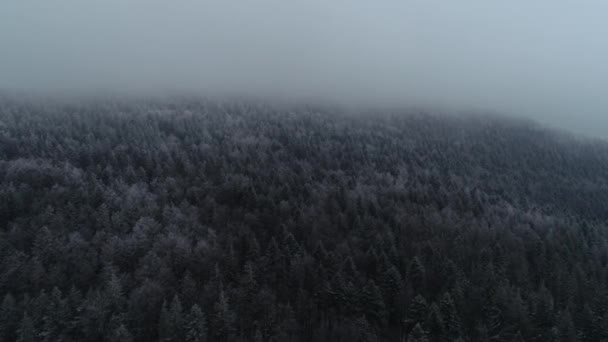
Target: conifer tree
x: 451, y: 319
x: 224, y: 319
x: 435, y: 324
x: 196, y: 326
x: 373, y: 303
x: 418, y: 334
x: 27, y: 331
x: 418, y: 310
x: 171, y: 321
x: 121, y: 334
x: 8, y: 318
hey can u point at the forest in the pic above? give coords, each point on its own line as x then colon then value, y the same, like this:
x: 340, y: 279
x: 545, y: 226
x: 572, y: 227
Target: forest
x: 200, y: 220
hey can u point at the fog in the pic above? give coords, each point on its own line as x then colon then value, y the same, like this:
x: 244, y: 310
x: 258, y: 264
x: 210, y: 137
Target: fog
x: 540, y: 59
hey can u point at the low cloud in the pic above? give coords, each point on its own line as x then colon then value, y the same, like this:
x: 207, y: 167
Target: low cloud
x: 542, y: 59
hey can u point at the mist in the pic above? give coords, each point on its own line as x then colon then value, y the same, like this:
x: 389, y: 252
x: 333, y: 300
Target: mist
x: 536, y: 59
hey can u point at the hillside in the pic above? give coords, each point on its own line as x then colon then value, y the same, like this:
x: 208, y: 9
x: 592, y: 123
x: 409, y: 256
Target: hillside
x: 206, y: 221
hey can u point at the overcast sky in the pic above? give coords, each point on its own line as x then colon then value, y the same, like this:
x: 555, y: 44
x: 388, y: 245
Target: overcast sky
x: 545, y: 59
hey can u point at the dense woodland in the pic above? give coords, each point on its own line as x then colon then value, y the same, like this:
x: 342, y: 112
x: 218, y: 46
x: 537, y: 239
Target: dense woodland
x: 195, y: 220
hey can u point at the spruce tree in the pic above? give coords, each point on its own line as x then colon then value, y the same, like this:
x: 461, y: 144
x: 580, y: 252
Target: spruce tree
x: 171, y: 321
x: 418, y: 310
x: 121, y: 334
x: 373, y: 304
x: 435, y: 324
x: 451, y: 318
x: 418, y: 334
x: 8, y: 318
x: 196, y: 326
x: 27, y: 331
x: 223, y: 318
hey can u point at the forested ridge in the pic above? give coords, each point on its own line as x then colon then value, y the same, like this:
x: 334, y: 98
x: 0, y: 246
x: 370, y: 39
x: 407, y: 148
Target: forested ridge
x: 197, y: 220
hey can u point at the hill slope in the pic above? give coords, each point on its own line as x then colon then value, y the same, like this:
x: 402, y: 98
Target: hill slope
x: 184, y: 220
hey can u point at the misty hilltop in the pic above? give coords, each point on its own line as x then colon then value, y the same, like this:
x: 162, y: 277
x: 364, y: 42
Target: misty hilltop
x: 234, y: 221
x: 543, y: 60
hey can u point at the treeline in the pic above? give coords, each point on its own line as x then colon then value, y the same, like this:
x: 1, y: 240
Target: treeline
x: 206, y: 221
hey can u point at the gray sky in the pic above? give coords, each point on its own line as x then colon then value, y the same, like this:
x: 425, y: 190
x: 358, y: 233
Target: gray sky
x: 544, y: 59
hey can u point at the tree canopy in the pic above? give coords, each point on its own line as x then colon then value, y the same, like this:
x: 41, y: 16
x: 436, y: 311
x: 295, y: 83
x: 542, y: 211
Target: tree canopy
x: 196, y: 220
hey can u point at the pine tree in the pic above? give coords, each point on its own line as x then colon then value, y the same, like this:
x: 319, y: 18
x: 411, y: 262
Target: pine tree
x: 121, y: 334
x: 290, y: 322
x: 320, y: 253
x: 565, y: 328
x: 196, y: 325
x: 434, y: 324
x: 494, y: 322
x: 26, y: 331
x: 348, y: 298
x: 253, y: 250
x: 417, y: 273
x: 418, y: 335
x: 451, y: 319
x: 55, y: 317
x: 246, y: 295
x: 188, y: 288
x: 8, y: 318
x: 372, y: 304
x: 418, y: 310
x: 171, y: 321
x: 223, y: 319
x: 543, y: 314
x: 349, y: 270
x: 518, y: 337
x: 391, y: 286
x: 114, y: 290
x: 257, y: 336
x: 274, y: 267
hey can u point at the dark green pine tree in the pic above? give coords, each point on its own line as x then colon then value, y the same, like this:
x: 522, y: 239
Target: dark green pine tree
x: 543, y: 315
x: 495, y: 324
x: 349, y: 294
x: 223, y: 319
x: 586, y: 324
x: 257, y: 336
x: 113, y: 292
x: 163, y: 322
x: 196, y: 325
x: 565, y: 328
x: 171, y: 321
x: 451, y: 319
x: 518, y: 337
x: 289, y: 246
x: 602, y: 326
x: 274, y: 268
x: 231, y: 260
x: 435, y: 325
x: 246, y: 296
x: 188, y: 288
x: 253, y: 249
x: 121, y: 334
x: 74, y: 301
x: 8, y: 318
x: 417, y: 311
x: 391, y: 286
x: 320, y: 253
x: 55, y: 317
x: 26, y: 331
x: 416, y: 272
x: 372, y: 304
x: 371, y: 264
x: 349, y: 270
x: 418, y: 334
x: 285, y: 325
